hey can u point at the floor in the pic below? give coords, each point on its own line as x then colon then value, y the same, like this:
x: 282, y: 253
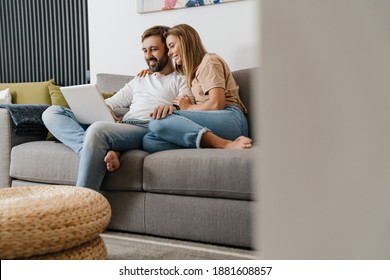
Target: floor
x: 125, y: 246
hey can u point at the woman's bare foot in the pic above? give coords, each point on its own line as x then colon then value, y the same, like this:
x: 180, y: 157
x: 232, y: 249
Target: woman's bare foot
x: 241, y: 142
x: 112, y: 160
x: 210, y: 140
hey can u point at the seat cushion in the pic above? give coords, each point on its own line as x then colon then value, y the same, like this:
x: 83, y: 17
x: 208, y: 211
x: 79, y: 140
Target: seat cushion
x: 129, y: 175
x: 200, y: 172
x: 45, y: 162
x: 54, y: 163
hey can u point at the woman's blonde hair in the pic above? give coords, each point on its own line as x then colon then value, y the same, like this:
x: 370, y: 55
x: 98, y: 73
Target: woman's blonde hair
x: 192, y: 48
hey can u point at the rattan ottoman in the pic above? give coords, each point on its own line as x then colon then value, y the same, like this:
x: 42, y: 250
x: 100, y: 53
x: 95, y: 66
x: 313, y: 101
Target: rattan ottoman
x: 52, y: 222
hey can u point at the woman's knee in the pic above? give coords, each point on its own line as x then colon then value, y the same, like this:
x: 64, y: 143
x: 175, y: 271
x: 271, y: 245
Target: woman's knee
x: 156, y: 126
x: 147, y: 140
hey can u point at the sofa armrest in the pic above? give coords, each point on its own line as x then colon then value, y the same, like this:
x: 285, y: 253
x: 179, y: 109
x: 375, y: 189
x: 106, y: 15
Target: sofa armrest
x: 9, y: 139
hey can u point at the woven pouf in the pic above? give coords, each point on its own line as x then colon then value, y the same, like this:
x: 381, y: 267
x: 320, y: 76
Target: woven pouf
x: 52, y: 222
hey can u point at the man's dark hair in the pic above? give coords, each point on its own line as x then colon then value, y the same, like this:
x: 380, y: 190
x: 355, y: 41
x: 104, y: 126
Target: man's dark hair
x: 159, y: 30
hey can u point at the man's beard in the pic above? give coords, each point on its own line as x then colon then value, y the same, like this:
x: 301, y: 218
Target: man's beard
x: 160, y: 64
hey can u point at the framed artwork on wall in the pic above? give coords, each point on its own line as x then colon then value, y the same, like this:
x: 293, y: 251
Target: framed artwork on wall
x: 148, y: 6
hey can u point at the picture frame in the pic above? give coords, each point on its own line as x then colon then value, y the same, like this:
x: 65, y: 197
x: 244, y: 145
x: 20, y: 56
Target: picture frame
x: 149, y: 6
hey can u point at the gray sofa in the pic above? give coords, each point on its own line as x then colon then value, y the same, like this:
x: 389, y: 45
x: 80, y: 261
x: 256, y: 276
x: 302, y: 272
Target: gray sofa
x: 202, y: 195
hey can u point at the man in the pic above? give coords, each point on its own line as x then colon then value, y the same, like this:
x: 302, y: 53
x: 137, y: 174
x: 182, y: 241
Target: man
x: 100, y: 144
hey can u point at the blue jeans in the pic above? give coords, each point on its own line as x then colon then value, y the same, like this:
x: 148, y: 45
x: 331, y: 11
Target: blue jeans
x: 93, y: 142
x: 185, y: 129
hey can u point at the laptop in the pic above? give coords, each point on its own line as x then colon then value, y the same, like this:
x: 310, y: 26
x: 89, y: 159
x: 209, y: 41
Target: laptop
x: 87, y: 103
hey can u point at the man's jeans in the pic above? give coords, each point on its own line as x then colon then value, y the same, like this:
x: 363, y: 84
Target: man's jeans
x: 93, y: 142
x: 185, y: 129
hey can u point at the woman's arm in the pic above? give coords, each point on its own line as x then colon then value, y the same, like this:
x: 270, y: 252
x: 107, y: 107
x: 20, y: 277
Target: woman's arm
x: 216, y: 101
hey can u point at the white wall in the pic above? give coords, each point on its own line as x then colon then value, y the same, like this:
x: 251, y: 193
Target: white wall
x: 325, y: 130
x: 115, y: 30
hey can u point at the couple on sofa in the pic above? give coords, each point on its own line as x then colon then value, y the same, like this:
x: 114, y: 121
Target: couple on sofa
x: 194, y: 104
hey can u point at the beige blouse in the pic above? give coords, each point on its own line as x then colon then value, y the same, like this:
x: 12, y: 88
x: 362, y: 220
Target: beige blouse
x: 213, y: 72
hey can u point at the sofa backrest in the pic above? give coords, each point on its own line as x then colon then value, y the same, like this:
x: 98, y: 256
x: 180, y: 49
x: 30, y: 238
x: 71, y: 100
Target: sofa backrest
x: 109, y: 83
x: 245, y: 79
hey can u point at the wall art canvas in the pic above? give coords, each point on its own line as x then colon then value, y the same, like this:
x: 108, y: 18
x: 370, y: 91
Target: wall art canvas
x: 147, y: 6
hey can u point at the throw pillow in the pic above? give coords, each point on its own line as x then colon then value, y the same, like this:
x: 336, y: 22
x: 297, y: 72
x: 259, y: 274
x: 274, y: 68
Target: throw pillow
x: 29, y: 93
x: 5, y: 96
x: 56, y: 96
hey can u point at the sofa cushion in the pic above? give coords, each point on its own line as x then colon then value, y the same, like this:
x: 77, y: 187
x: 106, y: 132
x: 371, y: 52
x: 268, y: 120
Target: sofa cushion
x: 54, y: 163
x: 44, y: 161
x: 244, y: 79
x: 5, y: 96
x: 129, y: 175
x: 111, y: 82
x: 56, y: 96
x: 200, y: 172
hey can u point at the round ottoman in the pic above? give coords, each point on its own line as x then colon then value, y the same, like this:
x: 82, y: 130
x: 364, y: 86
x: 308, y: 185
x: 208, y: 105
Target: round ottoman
x: 52, y: 222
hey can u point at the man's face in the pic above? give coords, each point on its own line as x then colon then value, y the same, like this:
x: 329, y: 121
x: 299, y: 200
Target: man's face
x: 155, y: 53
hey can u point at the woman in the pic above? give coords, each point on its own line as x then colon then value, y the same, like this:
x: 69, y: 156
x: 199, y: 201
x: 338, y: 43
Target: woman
x: 216, y: 120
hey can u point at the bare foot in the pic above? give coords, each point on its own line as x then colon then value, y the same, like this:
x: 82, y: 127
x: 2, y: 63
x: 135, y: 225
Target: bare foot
x: 112, y: 160
x: 241, y: 142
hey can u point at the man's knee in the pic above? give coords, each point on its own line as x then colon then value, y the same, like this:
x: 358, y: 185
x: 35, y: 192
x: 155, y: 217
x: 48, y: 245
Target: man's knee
x: 97, y: 130
x: 50, y: 112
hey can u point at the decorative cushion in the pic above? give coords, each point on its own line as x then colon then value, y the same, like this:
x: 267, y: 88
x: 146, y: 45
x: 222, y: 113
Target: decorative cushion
x: 5, y: 96
x: 56, y: 96
x: 29, y: 93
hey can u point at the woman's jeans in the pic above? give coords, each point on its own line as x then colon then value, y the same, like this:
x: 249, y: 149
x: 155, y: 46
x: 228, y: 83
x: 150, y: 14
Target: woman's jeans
x: 185, y: 129
x: 93, y: 142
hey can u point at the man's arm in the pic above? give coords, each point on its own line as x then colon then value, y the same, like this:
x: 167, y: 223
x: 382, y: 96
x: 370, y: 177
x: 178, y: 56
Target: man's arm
x: 123, y: 98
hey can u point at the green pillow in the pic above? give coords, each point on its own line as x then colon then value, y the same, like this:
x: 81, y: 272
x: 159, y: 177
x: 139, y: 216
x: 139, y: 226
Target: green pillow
x: 29, y: 93
x: 107, y: 95
x: 56, y: 96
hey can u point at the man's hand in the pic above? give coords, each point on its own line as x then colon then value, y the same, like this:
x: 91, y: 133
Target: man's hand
x: 162, y: 111
x: 113, y: 115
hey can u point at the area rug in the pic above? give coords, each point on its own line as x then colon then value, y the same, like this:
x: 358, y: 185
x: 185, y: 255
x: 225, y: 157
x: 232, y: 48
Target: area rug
x: 124, y: 246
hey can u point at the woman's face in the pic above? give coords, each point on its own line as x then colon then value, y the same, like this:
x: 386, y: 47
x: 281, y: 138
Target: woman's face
x: 174, y: 49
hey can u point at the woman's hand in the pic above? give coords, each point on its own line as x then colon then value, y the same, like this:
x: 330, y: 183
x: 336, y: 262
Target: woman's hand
x: 184, y: 102
x: 144, y: 73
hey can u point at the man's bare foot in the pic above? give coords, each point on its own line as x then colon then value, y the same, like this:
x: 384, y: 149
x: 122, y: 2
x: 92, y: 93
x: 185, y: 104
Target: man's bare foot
x: 241, y: 142
x: 112, y: 160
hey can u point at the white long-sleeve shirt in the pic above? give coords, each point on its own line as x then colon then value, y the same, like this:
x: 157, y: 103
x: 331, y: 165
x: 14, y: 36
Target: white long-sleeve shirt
x: 143, y: 95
